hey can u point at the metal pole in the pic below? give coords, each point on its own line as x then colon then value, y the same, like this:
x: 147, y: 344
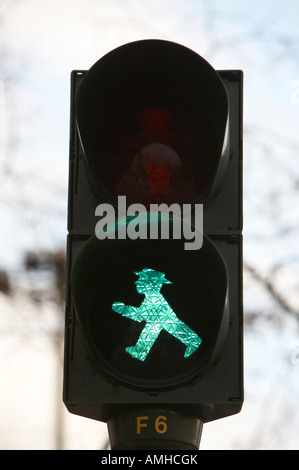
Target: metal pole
x: 154, y: 429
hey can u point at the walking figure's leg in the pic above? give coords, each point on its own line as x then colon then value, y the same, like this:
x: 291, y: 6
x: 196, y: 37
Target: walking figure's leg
x: 145, y: 341
x: 185, y: 334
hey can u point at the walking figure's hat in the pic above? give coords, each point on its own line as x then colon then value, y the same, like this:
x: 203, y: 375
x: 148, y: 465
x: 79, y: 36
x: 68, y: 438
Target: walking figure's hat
x: 152, y: 275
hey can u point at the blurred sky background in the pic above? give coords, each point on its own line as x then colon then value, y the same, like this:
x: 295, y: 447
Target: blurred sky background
x: 41, y: 42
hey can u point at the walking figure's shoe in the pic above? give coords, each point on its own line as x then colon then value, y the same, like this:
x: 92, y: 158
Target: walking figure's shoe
x: 158, y: 316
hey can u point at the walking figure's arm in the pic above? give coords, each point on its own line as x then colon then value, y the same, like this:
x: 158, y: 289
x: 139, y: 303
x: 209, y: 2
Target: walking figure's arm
x: 127, y: 311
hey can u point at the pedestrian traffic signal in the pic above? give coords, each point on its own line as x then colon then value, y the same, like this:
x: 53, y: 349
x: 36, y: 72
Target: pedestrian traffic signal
x: 141, y: 327
x: 154, y: 289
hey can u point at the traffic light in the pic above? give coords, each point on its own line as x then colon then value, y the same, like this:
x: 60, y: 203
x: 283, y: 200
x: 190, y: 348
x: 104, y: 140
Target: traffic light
x: 154, y: 310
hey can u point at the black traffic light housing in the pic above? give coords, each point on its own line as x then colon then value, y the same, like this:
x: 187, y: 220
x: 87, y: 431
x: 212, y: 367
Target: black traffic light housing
x: 112, y: 153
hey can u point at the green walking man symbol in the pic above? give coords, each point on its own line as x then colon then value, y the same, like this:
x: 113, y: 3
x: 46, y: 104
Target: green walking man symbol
x: 157, y: 314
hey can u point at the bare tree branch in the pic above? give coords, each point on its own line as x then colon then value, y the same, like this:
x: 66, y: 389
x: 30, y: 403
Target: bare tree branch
x: 272, y: 290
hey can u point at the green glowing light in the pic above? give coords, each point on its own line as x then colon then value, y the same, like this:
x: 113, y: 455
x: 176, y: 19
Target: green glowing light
x: 157, y: 314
